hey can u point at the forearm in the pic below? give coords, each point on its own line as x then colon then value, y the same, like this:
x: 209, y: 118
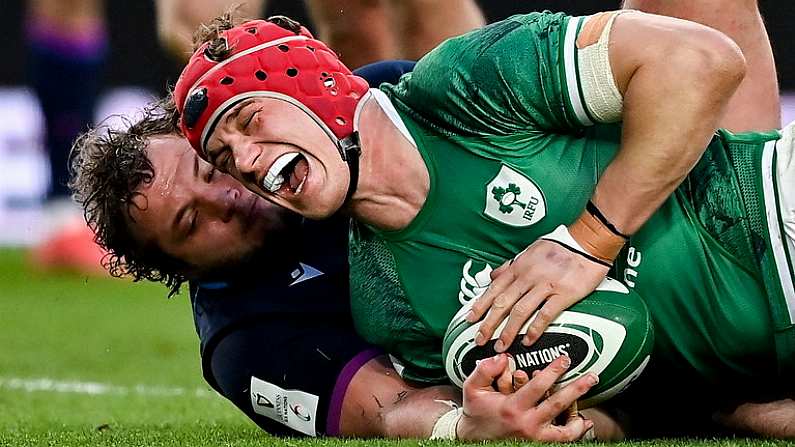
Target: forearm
x: 378, y: 403
x: 675, y: 94
x: 772, y: 419
x: 415, y: 414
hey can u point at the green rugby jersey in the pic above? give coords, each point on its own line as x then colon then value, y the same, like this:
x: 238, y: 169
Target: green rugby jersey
x: 499, y: 118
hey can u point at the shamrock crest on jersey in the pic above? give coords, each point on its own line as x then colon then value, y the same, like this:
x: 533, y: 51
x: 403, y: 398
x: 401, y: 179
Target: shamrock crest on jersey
x: 507, y: 197
x: 513, y: 199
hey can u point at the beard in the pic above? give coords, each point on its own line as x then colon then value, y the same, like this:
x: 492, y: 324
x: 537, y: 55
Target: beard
x: 273, y: 252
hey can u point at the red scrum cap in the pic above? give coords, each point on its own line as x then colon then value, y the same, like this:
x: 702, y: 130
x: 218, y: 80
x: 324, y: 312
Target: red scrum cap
x: 268, y: 60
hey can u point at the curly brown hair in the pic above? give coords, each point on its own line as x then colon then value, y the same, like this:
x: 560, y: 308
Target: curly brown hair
x: 107, y: 167
x: 219, y: 49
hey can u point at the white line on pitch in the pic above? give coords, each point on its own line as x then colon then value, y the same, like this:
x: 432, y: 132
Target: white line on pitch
x: 96, y: 388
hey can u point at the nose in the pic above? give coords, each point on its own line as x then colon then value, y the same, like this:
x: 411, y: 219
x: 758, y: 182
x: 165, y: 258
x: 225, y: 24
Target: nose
x: 220, y: 201
x: 246, y: 156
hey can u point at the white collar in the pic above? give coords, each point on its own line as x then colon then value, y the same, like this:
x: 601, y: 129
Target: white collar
x: 389, y: 109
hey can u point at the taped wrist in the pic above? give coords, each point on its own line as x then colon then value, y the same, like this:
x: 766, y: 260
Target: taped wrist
x: 563, y: 237
x: 597, y: 236
x: 446, y: 427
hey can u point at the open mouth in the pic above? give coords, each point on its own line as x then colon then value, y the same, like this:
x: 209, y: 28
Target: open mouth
x: 288, y: 172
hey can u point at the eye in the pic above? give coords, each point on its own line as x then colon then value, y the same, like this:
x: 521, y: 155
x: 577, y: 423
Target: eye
x: 220, y: 159
x: 251, y: 118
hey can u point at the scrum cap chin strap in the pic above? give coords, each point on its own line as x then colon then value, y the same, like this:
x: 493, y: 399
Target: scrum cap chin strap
x: 350, y: 150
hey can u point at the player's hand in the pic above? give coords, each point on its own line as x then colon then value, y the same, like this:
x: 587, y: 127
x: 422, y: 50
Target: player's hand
x: 545, y: 277
x: 525, y: 413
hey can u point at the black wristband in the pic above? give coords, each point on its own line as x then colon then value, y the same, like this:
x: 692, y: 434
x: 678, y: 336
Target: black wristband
x: 594, y: 211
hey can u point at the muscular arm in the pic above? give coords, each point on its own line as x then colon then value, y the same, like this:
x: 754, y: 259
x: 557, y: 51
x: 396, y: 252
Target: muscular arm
x: 756, y: 103
x: 671, y: 84
x: 677, y: 78
x: 379, y: 403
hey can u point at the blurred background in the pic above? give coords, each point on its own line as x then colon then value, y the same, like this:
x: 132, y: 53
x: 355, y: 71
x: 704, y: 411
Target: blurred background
x: 124, y: 64
x: 83, y: 354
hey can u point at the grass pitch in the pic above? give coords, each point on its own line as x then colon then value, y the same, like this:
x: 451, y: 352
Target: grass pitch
x: 105, y: 362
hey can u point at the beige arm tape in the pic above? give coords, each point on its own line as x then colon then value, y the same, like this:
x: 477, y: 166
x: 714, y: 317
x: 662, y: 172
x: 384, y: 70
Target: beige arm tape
x: 446, y: 427
x: 602, y: 97
x: 596, y: 238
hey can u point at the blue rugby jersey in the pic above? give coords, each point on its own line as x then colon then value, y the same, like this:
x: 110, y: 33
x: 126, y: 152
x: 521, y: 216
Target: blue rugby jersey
x: 281, y: 345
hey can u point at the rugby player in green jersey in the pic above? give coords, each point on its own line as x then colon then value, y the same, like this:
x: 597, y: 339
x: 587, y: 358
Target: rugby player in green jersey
x: 496, y: 141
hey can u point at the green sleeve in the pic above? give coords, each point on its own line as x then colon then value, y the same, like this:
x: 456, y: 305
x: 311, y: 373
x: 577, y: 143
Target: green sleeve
x: 516, y: 75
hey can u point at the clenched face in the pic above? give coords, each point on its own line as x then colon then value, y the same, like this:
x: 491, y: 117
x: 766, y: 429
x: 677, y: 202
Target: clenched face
x: 199, y: 215
x: 279, y: 152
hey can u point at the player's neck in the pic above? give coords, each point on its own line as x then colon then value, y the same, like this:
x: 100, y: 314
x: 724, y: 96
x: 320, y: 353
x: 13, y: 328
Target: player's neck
x: 393, y: 179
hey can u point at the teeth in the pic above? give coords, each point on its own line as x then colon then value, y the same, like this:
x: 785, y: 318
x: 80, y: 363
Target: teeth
x: 300, y: 186
x: 274, y: 179
x: 275, y: 185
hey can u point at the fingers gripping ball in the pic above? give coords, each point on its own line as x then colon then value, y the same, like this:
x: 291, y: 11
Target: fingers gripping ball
x: 608, y: 333
x: 264, y: 59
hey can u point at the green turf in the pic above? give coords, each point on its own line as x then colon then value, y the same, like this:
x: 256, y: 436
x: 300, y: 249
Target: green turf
x: 129, y: 337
